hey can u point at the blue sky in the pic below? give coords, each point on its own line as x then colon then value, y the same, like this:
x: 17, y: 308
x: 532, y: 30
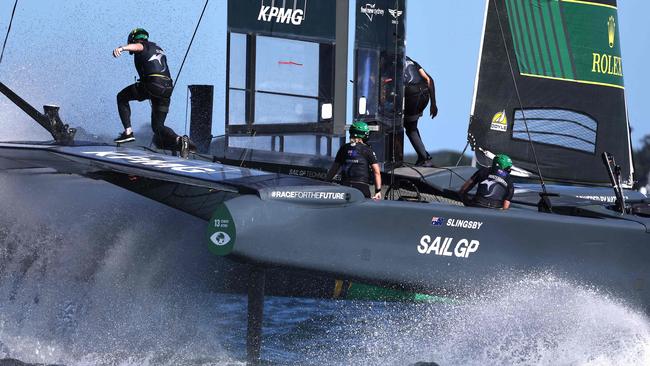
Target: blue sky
x: 60, y: 52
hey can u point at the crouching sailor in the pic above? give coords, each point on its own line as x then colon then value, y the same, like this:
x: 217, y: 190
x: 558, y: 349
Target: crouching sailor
x: 155, y: 84
x: 495, y: 188
x: 355, y: 160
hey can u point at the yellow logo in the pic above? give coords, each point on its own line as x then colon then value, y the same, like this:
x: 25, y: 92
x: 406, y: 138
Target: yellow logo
x: 499, y: 121
x: 611, y: 30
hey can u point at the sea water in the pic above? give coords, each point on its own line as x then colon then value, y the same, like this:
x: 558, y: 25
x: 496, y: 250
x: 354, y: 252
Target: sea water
x: 94, y: 275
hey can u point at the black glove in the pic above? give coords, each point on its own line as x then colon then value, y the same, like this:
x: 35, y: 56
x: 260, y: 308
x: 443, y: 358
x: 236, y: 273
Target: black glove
x: 433, y: 110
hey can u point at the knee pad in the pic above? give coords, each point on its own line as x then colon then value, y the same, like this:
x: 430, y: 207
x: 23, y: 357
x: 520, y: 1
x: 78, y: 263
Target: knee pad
x: 121, y: 97
x: 160, y: 108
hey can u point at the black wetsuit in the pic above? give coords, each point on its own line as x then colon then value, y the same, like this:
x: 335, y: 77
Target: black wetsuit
x: 494, y: 187
x: 355, y: 160
x: 156, y: 85
x: 416, y: 98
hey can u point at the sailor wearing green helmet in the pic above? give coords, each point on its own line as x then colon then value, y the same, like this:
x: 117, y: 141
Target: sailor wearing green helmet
x: 155, y: 84
x: 495, y: 188
x: 355, y: 160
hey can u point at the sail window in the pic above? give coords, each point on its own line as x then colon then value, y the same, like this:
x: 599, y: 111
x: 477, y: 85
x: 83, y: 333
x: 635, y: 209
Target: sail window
x: 367, y: 86
x: 237, y: 73
x: 288, y: 66
x: 251, y: 142
x: 237, y: 107
x: 300, y: 144
x: 272, y: 108
x: 559, y: 127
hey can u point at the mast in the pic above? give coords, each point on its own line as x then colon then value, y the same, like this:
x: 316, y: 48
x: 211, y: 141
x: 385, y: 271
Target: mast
x: 478, y: 61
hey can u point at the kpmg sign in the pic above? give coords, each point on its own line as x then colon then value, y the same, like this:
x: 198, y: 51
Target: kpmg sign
x: 281, y: 15
x: 312, y: 19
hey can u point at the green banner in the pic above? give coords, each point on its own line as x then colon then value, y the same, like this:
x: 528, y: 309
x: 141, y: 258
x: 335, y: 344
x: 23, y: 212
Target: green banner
x: 570, y: 40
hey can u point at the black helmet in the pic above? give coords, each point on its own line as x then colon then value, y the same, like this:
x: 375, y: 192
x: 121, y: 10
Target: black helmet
x: 137, y: 34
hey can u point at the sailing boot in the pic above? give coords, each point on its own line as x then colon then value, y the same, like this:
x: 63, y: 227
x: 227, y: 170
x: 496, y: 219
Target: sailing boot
x: 124, y: 137
x: 426, y: 162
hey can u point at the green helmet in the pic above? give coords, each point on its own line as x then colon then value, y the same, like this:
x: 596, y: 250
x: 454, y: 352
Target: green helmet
x: 137, y: 34
x: 502, y: 161
x: 359, y: 129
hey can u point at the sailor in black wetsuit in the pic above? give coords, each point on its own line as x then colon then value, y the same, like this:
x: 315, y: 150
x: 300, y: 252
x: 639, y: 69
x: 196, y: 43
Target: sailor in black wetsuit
x: 155, y: 84
x: 495, y: 188
x: 356, y: 159
x: 419, y: 90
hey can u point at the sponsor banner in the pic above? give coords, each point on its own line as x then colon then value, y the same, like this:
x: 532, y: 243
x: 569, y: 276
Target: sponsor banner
x: 499, y: 122
x: 295, y: 18
x: 221, y: 231
x: 396, y: 14
x: 152, y: 161
x: 465, y: 224
x: 377, y: 18
x: 308, y: 195
x: 371, y: 10
x: 607, y: 199
x: 447, y: 247
x: 596, y: 51
x: 573, y: 40
x: 460, y: 223
x: 308, y: 173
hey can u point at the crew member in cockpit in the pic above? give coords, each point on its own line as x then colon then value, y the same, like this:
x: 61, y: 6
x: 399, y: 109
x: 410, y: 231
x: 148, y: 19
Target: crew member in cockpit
x: 419, y: 90
x: 155, y: 84
x: 355, y: 160
x: 495, y: 187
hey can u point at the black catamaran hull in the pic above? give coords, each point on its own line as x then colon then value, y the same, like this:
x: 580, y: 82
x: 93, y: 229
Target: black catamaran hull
x: 294, y: 223
x: 443, y: 249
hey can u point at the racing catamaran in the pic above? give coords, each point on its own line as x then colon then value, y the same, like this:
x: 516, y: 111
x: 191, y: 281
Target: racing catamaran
x: 549, y: 93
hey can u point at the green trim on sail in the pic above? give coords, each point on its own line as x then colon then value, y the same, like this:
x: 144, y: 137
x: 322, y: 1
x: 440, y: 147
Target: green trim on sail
x: 543, y: 40
x: 522, y: 58
x: 583, y: 49
x: 533, y: 35
x: 526, y: 53
x: 553, y: 49
x: 539, y: 38
x: 561, y: 40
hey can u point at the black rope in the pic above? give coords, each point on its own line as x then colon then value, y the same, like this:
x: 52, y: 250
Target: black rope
x: 190, y: 45
x: 521, y: 104
x: 460, y: 157
x: 396, y: 114
x: 8, y: 30
x: 187, y: 101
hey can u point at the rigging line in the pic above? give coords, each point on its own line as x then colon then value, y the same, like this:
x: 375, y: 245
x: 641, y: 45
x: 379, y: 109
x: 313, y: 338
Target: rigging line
x: 460, y: 158
x: 247, y: 150
x: 11, y: 20
x: 521, y: 104
x: 190, y: 44
x: 395, y: 112
x: 187, y: 101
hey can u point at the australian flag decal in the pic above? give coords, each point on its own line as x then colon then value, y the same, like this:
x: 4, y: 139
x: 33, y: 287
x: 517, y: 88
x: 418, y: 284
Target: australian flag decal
x: 437, y: 221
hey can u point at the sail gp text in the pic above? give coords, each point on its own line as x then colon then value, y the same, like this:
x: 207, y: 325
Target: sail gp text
x: 447, y: 247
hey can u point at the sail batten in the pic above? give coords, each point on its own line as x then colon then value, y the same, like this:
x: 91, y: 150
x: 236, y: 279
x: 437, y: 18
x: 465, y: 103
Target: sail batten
x: 550, y: 78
